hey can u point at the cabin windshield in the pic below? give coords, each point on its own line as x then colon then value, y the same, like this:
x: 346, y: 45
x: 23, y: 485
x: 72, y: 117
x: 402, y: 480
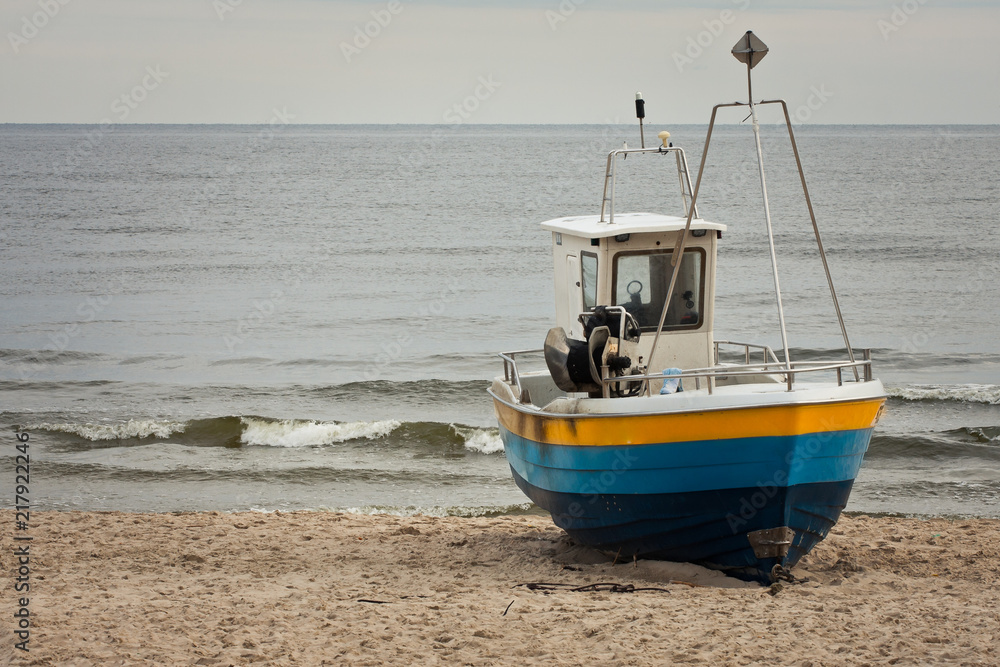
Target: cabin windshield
x: 640, y: 285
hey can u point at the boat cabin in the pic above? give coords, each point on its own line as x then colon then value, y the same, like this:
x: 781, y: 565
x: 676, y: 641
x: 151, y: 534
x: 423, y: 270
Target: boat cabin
x: 628, y: 263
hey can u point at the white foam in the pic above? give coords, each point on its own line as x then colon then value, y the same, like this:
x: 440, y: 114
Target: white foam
x: 966, y: 393
x: 482, y: 440
x: 133, y: 428
x: 294, y: 433
x: 459, y: 511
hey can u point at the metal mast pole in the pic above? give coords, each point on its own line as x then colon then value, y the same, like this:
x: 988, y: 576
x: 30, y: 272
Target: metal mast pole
x: 819, y: 240
x: 748, y: 43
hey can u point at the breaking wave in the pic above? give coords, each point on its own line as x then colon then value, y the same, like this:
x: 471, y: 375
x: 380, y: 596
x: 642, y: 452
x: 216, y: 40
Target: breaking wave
x: 482, y: 440
x: 254, y: 431
x: 133, y: 428
x: 964, y: 393
x: 294, y: 433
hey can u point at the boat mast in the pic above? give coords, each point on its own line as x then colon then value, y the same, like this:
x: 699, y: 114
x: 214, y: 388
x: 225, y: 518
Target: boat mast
x: 751, y: 50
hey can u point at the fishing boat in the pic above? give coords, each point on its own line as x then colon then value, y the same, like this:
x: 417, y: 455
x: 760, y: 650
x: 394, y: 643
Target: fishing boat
x: 645, y: 437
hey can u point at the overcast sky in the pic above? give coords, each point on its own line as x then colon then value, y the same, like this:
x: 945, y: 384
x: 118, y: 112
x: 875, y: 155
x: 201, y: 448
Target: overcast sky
x: 574, y: 61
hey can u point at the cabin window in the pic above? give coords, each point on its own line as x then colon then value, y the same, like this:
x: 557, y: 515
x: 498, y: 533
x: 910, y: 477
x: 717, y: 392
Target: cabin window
x: 588, y: 279
x: 641, y: 280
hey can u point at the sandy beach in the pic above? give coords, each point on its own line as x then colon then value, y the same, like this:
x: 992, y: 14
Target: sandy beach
x: 326, y: 588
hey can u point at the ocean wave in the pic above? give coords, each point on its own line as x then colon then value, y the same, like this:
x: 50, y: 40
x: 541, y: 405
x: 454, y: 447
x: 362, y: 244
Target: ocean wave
x: 482, y: 440
x: 248, y: 361
x: 921, y: 448
x: 433, y: 390
x: 174, y: 465
x: 48, y: 356
x: 423, y: 438
x: 984, y: 434
x: 132, y: 429
x: 29, y: 385
x: 963, y: 393
x: 908, y: 360
x: 295, y: 433
x: 132, y: 361
x: 983, y: 492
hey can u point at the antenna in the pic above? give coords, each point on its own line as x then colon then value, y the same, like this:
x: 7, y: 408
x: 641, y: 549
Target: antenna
x: 640, y: 113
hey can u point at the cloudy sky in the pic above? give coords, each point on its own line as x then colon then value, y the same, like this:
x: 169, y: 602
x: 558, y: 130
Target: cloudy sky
x: 500, y: 61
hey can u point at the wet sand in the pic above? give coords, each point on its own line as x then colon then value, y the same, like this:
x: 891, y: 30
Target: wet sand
x: 324, y: 588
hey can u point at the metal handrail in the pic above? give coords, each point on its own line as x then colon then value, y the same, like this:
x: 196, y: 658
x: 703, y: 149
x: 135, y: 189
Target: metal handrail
x: 787, y: 369
x: 609, y: 175
x: 510, y: 371
x: 766, y: 349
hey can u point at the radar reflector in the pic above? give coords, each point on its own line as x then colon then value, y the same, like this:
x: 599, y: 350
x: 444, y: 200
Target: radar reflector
x: 750, y: 50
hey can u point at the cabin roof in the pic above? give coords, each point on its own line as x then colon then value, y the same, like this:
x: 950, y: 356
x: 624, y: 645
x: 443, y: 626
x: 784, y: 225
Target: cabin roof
x: 590, y: 226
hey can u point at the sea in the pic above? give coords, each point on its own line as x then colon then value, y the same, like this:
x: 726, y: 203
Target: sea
x: 288, y: 317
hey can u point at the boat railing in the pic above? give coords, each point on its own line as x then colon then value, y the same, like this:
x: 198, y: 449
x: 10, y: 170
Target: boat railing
x: 683, y: 175
x: 768, y: 353
x: 787, y: 372
x: 510, y: 373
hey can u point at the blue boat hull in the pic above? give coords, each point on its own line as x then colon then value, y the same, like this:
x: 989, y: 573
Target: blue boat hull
x: 699, y: 501
x: 705, y: 527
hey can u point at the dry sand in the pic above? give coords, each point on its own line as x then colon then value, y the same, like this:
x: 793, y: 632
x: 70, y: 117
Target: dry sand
x: 318, y: 588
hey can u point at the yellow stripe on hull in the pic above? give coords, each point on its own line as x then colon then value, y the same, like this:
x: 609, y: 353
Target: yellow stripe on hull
x: 645, y: 429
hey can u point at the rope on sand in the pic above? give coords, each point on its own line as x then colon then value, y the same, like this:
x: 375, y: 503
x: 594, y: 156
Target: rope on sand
x: 605, y: 587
